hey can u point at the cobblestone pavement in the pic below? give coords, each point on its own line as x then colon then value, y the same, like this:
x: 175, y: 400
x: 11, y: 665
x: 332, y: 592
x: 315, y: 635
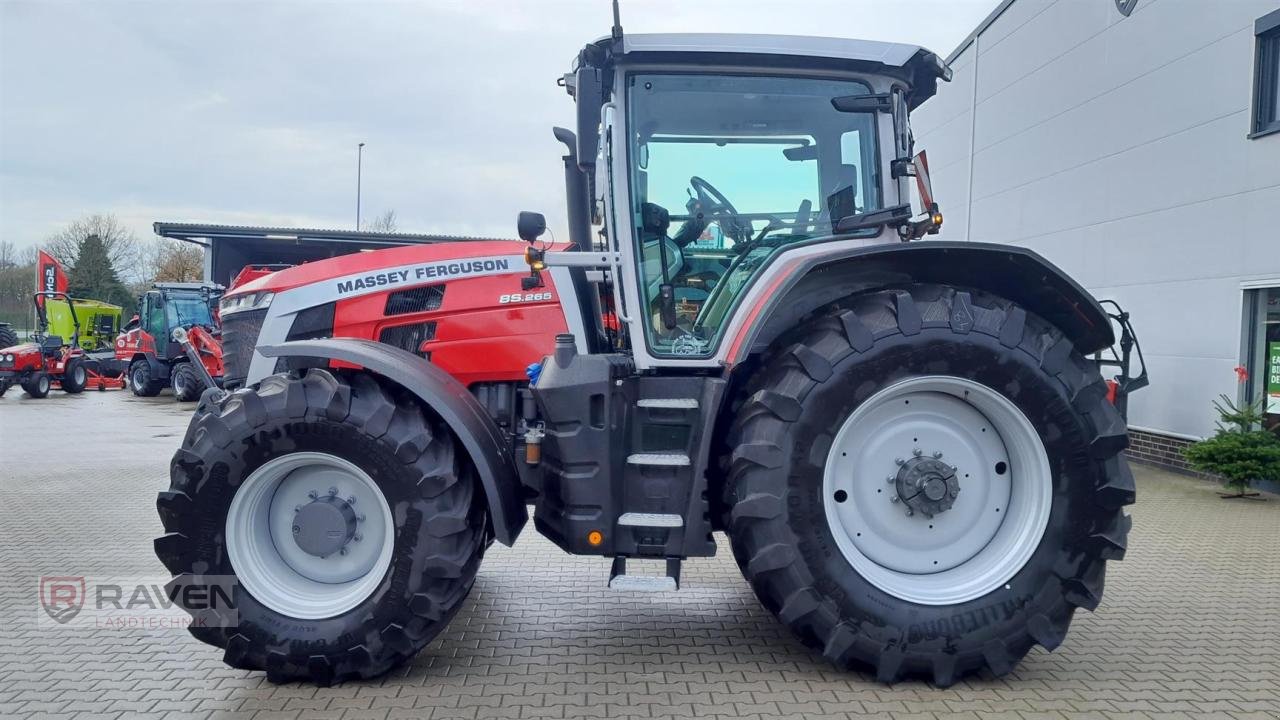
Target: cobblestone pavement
x: 1190, y: 624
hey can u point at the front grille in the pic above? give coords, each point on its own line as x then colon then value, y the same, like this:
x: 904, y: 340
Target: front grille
x: 419, y: 299
x: 409, y: 337
x: 239, y: 336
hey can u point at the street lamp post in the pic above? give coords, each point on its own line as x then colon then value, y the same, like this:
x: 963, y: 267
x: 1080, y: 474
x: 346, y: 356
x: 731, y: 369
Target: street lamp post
x: 359, y: 159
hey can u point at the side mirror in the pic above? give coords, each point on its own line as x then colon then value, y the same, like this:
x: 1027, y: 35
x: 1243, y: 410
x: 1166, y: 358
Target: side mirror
x: 530, y: 225
x: 588, y: 95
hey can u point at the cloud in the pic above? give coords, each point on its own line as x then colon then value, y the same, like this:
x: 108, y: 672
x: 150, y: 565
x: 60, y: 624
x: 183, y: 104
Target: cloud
x: 251, y: 112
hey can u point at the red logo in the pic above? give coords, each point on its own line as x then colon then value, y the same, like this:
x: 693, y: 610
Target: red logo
x: 62, y: 597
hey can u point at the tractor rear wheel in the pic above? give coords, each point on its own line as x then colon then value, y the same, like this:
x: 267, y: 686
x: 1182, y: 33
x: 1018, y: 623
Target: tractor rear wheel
x: 141, y: 381
x: 927, y: 483
x: 74, y: 376
x: 351, y: 521
x: 37, y: 386
x: 187, y: 383
x: 8, y: 338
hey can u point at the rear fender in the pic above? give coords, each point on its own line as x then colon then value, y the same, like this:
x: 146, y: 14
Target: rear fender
x: 1014, y: 273
x: 448, y: 398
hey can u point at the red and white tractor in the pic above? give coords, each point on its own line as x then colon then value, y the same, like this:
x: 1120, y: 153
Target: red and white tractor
x: 915, y: 464
x: 154, y: 356
x: 55, y: 360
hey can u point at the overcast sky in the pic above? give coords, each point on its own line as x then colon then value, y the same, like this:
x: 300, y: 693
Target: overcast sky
x: 250, y: 112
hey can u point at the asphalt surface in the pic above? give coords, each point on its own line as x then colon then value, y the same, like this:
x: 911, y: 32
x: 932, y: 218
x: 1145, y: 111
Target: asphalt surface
x: 1189, y: 626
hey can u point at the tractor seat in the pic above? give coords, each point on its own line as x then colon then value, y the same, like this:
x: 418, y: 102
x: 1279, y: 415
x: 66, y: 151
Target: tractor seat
x: 51, y: 344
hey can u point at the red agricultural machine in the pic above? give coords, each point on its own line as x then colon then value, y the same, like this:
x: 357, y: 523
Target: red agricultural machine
x: 54, y: 360
x: 917, y: 468
x: 148, y: 347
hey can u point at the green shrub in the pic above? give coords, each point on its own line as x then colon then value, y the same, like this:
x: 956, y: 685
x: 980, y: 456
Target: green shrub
x: 1238, y: 452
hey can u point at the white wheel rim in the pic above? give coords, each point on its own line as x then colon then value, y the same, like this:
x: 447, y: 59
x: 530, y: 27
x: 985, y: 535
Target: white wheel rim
x: 271, y: 565
x: 77, y: 375
x: 999, y: 514
x: 43, y: 384
x: 179, y: 384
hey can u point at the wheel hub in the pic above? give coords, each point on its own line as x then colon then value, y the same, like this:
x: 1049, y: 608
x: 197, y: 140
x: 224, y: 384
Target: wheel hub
x: 325, y: 525
x: 927, y: 485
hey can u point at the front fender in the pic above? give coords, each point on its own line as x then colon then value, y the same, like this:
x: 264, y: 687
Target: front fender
x: 1014, y: 273
x: 448, y: 398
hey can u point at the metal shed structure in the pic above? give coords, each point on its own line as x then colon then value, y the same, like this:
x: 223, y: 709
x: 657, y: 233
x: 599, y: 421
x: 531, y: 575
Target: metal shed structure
x: 228, y: 248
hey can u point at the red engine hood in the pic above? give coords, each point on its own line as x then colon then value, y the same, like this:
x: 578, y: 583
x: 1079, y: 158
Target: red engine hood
x: 372, y: 261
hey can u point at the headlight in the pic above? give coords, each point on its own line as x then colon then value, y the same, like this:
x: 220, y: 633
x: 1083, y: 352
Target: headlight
x: 8, y: 357
x: 247, y: 301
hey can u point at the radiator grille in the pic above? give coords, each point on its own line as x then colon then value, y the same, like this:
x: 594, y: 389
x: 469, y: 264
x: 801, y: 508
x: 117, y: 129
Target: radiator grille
x: 419, y: 299
x: 409, y: 337
x: 239, y: 336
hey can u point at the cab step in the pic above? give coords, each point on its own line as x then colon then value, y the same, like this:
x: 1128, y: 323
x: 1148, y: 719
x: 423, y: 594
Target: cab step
x: 669, y: 403
x: 651, y: 520
x: 620, y: 580
x: 659, y: 459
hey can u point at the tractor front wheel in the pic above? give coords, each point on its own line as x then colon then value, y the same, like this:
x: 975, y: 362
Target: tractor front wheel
x: 927, y: 482
x: 351, y: 523
x: 37, y: 386
x: 141, y: 381
x: 187, y: 383
x: 74, y: 377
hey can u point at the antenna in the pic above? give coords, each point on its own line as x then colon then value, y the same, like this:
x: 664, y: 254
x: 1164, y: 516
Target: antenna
x: 617, y: 22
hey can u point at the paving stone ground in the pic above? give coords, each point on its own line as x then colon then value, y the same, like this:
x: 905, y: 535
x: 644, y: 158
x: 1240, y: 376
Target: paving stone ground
x: 1189, y: 627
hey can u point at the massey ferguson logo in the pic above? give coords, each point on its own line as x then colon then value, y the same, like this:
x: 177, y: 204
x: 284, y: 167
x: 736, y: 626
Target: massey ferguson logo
x: 425, y: 272
x: 62, y: 597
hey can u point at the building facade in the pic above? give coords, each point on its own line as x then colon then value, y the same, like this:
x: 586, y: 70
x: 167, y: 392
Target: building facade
x: 1135, y: 144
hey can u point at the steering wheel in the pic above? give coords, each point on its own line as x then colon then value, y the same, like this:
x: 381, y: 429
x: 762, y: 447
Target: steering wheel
x: 718, y: 206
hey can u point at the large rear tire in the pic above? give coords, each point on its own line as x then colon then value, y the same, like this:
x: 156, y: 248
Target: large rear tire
x: 187, y: 383
x: 8, y: 337
x: 927, y: 483
x: 264, y: 459
x: 74, y: 376
x: 141, y: 381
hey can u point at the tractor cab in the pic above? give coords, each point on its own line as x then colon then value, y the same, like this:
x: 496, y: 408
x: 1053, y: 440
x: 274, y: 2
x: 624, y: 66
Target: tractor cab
x: 707, y: 157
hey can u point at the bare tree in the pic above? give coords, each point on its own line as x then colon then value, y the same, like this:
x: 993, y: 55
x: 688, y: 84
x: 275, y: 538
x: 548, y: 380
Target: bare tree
x: 8, y: 254
x: 122, y: 245
x: 384, y: 223
x: 175, y: 261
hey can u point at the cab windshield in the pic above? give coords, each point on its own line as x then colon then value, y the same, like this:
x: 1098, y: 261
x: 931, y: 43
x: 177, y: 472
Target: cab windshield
x: 188, y: 310
x: 726, y: 171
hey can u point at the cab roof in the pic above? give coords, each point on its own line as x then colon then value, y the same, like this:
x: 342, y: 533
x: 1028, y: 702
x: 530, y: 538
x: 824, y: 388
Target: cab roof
x: 917, y: 67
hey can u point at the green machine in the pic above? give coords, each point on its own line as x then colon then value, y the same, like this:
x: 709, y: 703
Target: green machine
x: 99, y: 322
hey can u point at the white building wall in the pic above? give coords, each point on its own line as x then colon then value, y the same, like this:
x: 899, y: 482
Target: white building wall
x: 1117, y: 147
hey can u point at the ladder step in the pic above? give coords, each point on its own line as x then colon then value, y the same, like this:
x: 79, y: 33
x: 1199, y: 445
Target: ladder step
x: 652, y: 520
x: 643, y: 583
x: 620, y: 580
x: 672, y: 403
x: 664, y: 459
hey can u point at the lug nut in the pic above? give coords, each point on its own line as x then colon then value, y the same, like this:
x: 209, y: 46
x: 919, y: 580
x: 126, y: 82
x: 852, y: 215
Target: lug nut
x: 910, y: 512
x: 937, y: 454
x: 900, y: 461
x: 297, y: 508
x: 917, y: 452
x: 342, y: 551
x: 333, y: 492
x: 313, y: 494
x: 356, y: 538
x: 351, y: 500
x: 296, y: 530
x: 890, y: 479
x: 893, y: 499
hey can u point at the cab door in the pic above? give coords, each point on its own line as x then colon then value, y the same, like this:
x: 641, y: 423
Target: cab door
x: 153, y: 323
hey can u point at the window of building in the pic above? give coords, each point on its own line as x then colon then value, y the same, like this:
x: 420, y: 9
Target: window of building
x: 1261, y: 383
x: 1266, y: 76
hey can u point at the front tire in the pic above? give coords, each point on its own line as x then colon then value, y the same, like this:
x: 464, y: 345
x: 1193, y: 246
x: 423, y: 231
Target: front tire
x: 828, y: 437
x: 141, y: 381
x: 37, y: 386
x: 187, y: 383
x: 307, y: 613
